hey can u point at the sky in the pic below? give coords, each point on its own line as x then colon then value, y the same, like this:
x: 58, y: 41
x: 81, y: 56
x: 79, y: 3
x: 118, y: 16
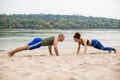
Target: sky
x: 96, y: 8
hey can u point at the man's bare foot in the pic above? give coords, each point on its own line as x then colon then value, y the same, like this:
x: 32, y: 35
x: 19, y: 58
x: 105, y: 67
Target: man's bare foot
x: 115, y: 51
x: 9, y: 54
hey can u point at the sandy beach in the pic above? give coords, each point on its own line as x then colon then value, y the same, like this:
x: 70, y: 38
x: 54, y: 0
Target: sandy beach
x: 39, y: 65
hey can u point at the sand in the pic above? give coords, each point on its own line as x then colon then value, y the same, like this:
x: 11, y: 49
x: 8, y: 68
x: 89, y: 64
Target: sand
x: 39, y: 65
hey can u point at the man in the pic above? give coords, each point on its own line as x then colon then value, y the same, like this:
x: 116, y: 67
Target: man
x: 38, y: 42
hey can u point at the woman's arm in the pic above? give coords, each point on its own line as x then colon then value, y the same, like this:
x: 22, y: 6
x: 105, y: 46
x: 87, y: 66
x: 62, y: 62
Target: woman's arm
x: 85, y: 46
x: 78, y: 48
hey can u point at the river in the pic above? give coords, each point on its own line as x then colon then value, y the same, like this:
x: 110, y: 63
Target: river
x: 12, y: 38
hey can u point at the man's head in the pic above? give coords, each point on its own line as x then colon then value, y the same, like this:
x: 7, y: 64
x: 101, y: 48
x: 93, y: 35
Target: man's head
x: 61, y: 37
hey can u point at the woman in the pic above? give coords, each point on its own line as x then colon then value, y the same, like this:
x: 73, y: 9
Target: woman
x: 94, y: 43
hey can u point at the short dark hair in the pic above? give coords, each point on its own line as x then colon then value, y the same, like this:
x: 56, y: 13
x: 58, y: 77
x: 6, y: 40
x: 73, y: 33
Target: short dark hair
x: 77, y: 35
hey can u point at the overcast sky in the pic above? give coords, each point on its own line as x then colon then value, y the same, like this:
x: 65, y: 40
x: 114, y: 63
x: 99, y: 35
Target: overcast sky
x: 97, y: 8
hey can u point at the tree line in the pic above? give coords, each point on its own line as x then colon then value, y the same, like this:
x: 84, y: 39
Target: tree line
x: 49, y: 21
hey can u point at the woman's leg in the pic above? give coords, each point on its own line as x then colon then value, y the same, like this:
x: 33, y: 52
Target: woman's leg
x: 98, y: 45
x: 108, y: 48
x: 12, y: 52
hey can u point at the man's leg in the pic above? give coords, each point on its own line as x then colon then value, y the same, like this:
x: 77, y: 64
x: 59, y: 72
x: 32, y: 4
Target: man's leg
x: 11, y: 53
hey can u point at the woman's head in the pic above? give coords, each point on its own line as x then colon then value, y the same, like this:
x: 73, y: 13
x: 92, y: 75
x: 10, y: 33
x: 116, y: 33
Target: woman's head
x: 77, y: 36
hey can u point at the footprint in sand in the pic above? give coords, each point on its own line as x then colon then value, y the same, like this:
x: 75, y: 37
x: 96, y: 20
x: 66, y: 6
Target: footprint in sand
x: 116, y: 67
x: 7, y: 77
x: 116, y: 73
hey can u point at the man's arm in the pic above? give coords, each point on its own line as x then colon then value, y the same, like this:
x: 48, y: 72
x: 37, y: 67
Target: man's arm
x: 78, y: 48
x: 55, y: 46
x: 50, y: 49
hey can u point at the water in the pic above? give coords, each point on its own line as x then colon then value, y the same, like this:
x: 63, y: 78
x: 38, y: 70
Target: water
x: 10, y: 39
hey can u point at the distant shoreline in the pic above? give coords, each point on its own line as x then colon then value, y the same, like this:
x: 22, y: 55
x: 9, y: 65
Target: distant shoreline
x: 50, y: 21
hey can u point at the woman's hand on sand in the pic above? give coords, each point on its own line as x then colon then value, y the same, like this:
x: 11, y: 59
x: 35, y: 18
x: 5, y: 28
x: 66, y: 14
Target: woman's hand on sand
x: 77, y: 53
